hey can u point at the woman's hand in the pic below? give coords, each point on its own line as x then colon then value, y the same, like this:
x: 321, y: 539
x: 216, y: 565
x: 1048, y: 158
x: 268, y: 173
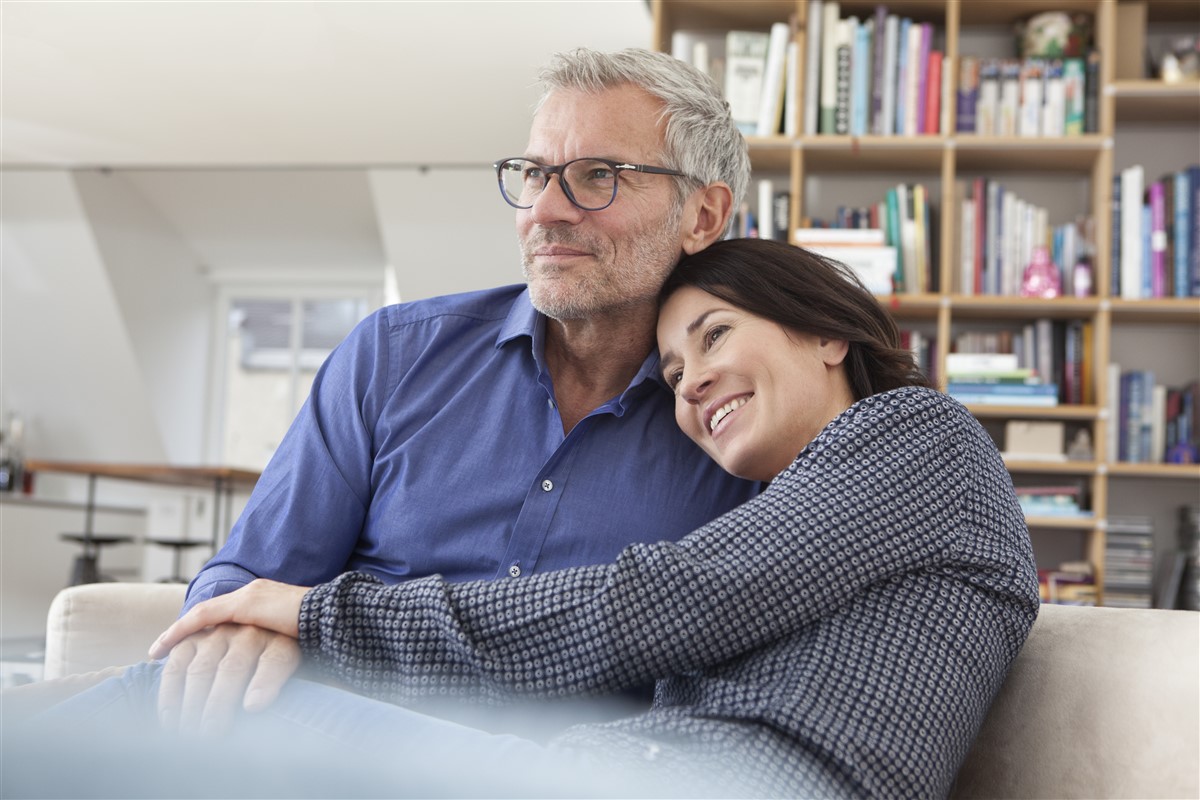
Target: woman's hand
x: 265, y: 604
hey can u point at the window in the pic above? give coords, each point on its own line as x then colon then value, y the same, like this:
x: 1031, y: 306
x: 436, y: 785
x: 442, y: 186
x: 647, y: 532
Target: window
x: 271, y: 343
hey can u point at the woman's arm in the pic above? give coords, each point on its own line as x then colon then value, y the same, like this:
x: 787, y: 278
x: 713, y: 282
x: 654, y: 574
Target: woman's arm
x: 878, y: 494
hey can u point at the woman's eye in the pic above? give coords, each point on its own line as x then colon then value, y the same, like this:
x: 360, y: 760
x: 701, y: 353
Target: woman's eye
x: 714, y: 333
x: 674, y: 377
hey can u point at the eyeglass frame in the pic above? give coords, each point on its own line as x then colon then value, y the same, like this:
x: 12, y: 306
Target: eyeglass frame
x: 550, y: 170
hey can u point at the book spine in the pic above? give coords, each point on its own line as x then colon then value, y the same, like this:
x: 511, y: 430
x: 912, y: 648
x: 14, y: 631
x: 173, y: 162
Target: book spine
x: 1132, y: 180
x: 1074, y: 88
x: 1091, y: 102
x: 829, y: 67
x: 1031, y: 98
x: 978, y: 191
x: 1182, y: 233
x: 1115, y: 258
x: 812, y: 65
x: 1194, y: 235
x: 1008, y: 115
x: 923, y: 76
x: 968, y: 94
x: 887, y: 122
x: 902, y: 97
x: 933, y: 96
x: 860, y: 73
x: 878, y: 49
x: 1147, y: 288
x: 846, y: 31
x: 1054, y: 103
x: 1158, y: 240
x: 913, y: 93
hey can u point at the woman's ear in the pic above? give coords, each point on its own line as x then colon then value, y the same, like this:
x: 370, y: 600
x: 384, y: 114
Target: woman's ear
x: 833, y: 351
x: 705, y: 216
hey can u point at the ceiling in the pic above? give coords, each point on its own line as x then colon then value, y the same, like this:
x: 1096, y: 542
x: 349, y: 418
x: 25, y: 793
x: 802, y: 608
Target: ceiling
x: 248, y: 126
x: 283, y: 84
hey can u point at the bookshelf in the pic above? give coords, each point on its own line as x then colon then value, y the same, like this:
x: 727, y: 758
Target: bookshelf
x: 1070, y: 176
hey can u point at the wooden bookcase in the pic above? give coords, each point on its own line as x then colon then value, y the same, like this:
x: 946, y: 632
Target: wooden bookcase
x: 1084, y: 164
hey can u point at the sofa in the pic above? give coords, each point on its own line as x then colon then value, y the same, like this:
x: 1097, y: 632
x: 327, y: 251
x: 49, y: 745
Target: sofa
x: 1100, y: 703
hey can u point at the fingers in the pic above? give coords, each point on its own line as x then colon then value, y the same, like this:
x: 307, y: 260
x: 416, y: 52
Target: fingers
x: 278, y: 663
x: 210, y: 676
x: 262, y: 603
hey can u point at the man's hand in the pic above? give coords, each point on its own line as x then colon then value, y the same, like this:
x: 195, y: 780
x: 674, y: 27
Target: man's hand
x: 210, y: 674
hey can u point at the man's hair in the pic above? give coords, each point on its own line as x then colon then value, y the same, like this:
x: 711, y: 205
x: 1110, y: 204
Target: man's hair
x: 701, y: 138
x: 806, y: 293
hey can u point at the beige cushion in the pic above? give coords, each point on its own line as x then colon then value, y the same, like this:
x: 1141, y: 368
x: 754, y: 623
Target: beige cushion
x: 1102, y: 702
x: 99, y: 625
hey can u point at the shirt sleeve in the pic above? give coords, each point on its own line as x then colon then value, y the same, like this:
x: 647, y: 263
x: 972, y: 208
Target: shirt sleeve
x: 836, y: 522
x: 305, y: 514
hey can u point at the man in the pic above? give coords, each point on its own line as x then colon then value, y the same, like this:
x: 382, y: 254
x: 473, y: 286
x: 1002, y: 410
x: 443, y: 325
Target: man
x: 503, y: 432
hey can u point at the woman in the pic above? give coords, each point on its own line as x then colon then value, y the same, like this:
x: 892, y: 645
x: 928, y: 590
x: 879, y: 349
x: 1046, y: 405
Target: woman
x: 841, y: 634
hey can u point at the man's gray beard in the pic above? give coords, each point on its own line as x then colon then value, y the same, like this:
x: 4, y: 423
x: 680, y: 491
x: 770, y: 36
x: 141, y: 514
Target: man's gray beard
x: 583, y: 305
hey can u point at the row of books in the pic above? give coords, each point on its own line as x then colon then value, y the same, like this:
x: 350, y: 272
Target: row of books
x: 892, y: 245
x: 924, y: 349
x: 1044, y: 363
x: 881, y: 75
x: 1129, y: 562
x: 768, y: 218
x: 1156, y: 234
x: 756, y: 71
x: 999, y: 235
x: 1073, y: 583
x: 1028, y: 97
x: 1154, y: 423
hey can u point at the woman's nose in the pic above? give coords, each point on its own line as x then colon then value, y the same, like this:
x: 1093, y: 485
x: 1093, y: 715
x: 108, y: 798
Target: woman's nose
x: 693, y: 388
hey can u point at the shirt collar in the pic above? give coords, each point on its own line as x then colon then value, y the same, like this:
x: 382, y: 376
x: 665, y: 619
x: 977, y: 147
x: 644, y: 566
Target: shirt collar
x: 525, y: 320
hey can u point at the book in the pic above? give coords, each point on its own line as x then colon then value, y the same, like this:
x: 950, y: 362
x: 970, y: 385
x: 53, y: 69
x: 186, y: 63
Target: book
x: 829, y: 67
x: 835, y: 237
x: 745, y: 73
x: 1091, y: 102
x: 812, y: 65
x: 924, y: 46
x: 968, y: 94
x: 1158, y: 239
x: 874, y: 265
x: 860, y: 78
x: 1074, y: 98
x: 891, y: 32
x: 914, y: 75
x: 791, y: 90
x: 878, y: 54
x: 846, y: 32
x: 766, y: 212
x: 1029, y: 121
x: 1054, y: 99
x: 770, y: 109
x: 987, y: 108
x: 1008, y: 114
x: 933, y: 95
x: 1181, y: 230
x: 1132, y: 180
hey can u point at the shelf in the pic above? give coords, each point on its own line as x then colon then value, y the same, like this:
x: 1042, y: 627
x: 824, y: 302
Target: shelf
x: 1164, y: 310
x: 1063, y: 523
x: 1155, y: 101
x: 1055, y: 467
x: 1063, y: 411
x: 993, y: 12
x: 771, y: 153
x: 1040, y: 153
x: 911, y: 306
x: 1007, y: 307
x: 873, y: 153
x: 1186, y: 472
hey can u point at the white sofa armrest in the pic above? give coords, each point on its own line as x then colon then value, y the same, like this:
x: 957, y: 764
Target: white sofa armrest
x: 100, y: 625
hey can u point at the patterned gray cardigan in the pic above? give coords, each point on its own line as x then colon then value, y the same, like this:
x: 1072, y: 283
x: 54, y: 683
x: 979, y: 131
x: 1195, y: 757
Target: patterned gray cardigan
x: 841, y: 634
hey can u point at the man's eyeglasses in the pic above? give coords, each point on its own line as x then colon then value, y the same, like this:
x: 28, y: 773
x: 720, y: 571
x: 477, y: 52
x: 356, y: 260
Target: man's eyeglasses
x: 589, y: 183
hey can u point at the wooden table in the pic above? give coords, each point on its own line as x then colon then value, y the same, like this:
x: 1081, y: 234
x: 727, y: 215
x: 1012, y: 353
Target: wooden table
x: 224, y: 481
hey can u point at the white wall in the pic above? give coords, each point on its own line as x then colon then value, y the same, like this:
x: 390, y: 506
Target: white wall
x: 446, y: 230
x: 165, y: 302
x: 69, y: 364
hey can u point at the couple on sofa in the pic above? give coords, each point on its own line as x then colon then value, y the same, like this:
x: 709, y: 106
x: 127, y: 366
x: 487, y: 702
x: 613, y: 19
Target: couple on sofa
x: 841, y: 631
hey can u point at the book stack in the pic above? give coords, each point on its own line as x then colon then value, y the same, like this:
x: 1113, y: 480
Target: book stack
x: 1062, y: 501
x: 756, y: 71
x: 904, y: 221
x: 1156, y: 234
x: 1154, y: 423
x: 877, y: 75
x: 1028, y: 97
x: 863, y: 250
x: 988, y: 377
x: 999, y: 234
x: 1129, y: 562
x: 769, y: 218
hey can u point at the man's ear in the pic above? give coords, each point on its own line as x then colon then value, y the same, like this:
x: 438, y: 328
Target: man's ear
x: 705, y: 215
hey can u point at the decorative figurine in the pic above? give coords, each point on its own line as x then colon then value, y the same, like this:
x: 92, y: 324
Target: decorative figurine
x: 1041, y: 277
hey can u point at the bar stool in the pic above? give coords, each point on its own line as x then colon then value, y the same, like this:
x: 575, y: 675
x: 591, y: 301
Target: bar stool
x: 178, y: 545
x: 86, y: 568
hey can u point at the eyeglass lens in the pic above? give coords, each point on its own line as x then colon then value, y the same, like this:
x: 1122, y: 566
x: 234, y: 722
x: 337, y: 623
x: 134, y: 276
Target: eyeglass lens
x: 588, y: 183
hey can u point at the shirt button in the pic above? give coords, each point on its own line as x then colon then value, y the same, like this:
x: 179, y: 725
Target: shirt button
x: 514, y: 571
x: 547, y: 485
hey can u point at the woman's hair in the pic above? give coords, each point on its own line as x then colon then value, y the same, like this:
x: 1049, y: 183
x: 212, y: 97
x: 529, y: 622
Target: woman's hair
x: 807, y: 293
x: 701, y: 138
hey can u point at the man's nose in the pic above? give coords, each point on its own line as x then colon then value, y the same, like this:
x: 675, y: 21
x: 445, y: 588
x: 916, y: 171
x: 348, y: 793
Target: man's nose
x: 553, y: 206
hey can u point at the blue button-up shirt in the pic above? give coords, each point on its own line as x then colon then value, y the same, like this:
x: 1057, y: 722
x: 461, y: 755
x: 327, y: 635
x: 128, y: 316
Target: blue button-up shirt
x: 430, y: 443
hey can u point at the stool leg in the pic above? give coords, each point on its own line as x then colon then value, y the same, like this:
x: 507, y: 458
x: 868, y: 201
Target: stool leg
x: 85, y: 570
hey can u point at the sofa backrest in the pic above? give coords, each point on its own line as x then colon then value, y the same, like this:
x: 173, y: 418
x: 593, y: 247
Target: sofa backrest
x: 1101, y: 702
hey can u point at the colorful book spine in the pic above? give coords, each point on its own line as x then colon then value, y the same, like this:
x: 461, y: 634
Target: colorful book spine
x: 878, y: 54
x: 860, y: 79
x: 902, y: 95
x: 1074, y: 85
x: 968, y: 94
x: 845, y: 40
x: 933, y: 94
x: 1158, y: 240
